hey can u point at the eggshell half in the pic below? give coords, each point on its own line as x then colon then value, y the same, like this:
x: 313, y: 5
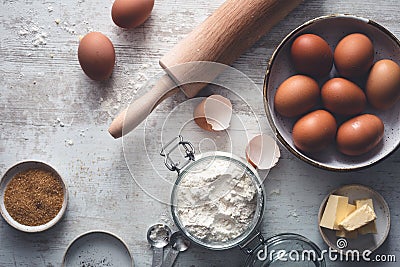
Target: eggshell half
x: 214, y: 113
x: 263, y: 152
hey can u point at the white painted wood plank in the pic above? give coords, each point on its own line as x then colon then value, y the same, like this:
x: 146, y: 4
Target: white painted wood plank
x: 39, y: 84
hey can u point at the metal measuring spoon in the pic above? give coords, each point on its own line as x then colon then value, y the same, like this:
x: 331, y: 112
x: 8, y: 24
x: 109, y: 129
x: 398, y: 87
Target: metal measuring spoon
x: 158, y: 236
x: 178, y: 243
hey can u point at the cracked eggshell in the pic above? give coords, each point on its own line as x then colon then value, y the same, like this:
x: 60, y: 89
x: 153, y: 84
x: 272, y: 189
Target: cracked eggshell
x: 263, y: 152
x: 213, y: 113
x: 129, y: 14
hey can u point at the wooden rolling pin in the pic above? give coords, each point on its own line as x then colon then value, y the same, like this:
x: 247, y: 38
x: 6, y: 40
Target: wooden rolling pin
x: 223, y: 37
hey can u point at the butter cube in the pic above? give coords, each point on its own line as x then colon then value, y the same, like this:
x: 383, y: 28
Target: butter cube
x: 370, y: 228
x: 344, y: 233
x: 335, y: 211
x: 358, y: 218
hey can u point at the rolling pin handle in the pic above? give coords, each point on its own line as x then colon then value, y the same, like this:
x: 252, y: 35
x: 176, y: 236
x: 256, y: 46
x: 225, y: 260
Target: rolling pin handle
x: 138, y: 111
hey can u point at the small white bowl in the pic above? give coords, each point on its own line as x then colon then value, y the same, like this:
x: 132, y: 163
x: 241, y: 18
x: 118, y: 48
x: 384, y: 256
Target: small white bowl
x: 97, y: 248
x: 332, y: 29
x: 362, y: 243
x: 7, y: 177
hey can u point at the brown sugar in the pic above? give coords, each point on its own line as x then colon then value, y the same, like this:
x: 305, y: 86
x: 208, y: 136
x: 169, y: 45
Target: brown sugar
x: 34, y: 197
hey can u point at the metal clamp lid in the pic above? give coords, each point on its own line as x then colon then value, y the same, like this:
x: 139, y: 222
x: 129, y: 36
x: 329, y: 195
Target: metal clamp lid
x: 256, y: 240
x: 189, y: 153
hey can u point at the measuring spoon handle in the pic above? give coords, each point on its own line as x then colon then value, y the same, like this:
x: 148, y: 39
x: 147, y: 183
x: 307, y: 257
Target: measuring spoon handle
x: 170, y: 258
x: 158, y: 254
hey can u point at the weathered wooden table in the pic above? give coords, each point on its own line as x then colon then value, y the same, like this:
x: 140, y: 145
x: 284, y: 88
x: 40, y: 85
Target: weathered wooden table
x: 51, y: 111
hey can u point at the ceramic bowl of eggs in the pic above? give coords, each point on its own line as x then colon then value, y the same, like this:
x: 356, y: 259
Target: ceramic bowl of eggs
x: 331, y: 92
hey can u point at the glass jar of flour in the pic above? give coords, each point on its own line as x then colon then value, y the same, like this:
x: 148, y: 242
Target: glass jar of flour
x: 218, y: 202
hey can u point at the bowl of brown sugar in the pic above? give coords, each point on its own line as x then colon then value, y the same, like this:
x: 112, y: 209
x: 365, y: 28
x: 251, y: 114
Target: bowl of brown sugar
x: 33, y: 196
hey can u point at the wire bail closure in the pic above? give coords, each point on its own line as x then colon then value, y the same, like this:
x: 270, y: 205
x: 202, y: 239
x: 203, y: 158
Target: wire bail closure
x: 189, y: 153
x: 256, y: 240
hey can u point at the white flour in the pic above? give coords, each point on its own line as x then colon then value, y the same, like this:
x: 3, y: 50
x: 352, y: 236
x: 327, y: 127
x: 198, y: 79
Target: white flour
x: 218, y: 202
x: 159, y: 233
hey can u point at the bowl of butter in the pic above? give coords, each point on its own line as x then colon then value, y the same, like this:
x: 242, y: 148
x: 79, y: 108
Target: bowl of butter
x: 354, y: 218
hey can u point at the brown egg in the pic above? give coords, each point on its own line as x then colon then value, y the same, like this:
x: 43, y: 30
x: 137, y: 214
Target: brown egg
x: 131, y: 13
x: 311, y: 55
x: 354, y: 55
x: 296, y: 95
x: 383, y: 84
x: 359, y: 135
x: 343, y: 97
x: 96, y: 56
x: 314, y: 131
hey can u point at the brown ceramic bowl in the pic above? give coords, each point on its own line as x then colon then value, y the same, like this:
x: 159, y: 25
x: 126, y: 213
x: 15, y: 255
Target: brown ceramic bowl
x: 7, y: 177
x: 332, y: 29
